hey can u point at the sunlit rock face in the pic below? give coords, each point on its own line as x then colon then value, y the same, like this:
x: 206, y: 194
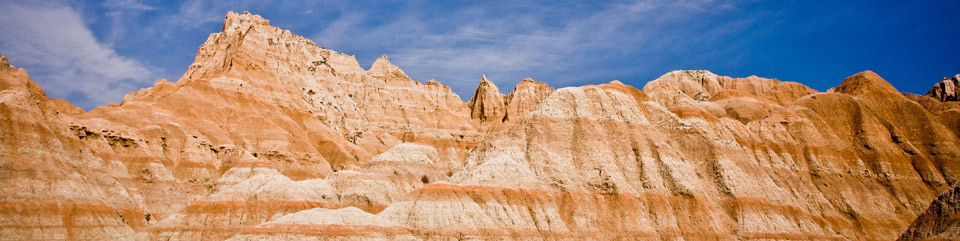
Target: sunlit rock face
x: 268, y: 136
x: 946, y: 89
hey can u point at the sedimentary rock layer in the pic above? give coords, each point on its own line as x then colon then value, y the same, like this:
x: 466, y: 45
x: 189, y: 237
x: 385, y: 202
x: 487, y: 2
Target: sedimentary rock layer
x: 270, y: 136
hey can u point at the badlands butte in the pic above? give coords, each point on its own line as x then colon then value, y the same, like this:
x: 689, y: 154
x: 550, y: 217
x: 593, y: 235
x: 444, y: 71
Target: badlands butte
x: 268, y: 136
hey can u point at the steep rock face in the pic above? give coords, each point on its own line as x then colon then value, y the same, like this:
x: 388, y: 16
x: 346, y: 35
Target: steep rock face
x: 295, y: 107
x: 51, y: 185
x: 524, y: 98
x: 302, y: 108
x: 946, y: 89
x: 487, y: 103
x: 941, y: 221
x: 498, y: 112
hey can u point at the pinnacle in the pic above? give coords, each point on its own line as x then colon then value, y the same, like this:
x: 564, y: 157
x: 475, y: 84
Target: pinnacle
x: 382, y: 67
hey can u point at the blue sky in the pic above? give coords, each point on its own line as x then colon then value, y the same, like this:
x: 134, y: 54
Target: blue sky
x: 93, y: 52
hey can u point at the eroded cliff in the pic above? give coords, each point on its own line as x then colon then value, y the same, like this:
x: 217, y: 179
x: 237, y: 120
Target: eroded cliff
x: 269, y: 136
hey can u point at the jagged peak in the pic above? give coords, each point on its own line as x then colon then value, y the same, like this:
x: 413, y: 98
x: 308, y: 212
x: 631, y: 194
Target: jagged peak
x: 383, y: 68
x: 866, y: 83
x: 694, y: 73
x: 487, y: 102
x: 4, y: 61
x: 381, y: 62
x: 234, y: 18
x: 486, y: 85
x: 946, y: 90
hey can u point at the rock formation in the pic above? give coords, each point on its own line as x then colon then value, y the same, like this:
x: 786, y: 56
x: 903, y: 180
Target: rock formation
x: 524, y: 98
x: 496, y: 111
x: 941, y: 221
x: 52, y: 185
x: 946, y: 89
x: 270, y: 136
x: 487, y: 103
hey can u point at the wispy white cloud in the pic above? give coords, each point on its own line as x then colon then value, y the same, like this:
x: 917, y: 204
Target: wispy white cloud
x: 127, y: 4
x: 61, y: 53
x: 509, y: 46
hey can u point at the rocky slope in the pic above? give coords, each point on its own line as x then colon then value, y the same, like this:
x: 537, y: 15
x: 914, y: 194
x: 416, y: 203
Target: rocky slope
x: 52, y: 185
x: 941, y: 221
x: 269, y: 136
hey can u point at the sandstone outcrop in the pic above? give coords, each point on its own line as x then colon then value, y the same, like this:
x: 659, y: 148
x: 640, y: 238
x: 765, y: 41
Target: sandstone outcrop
x: 524, y: 98
x: 496, y: 111
x: 487, y: 103
x: 946, y: 89
x: 269, y: 136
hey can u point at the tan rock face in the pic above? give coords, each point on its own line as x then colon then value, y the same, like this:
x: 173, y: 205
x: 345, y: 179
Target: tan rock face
x: 325, y: 224
x: 524, y: 98
x: 52, y: 186
x: 487, y: 103
x: 269, y: 136
x: 497, y: 112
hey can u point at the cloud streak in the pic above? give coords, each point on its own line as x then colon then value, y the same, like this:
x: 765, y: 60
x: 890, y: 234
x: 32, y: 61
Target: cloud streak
x: 560, y: 45
x: 62, y: 55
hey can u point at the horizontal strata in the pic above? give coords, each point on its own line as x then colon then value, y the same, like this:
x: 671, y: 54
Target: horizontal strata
x: 557, y: 214
x: 320, y: 223
x: 222, y: 219
x: 65, y: 221
x: 270, y: 136
x: 331, y: 230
